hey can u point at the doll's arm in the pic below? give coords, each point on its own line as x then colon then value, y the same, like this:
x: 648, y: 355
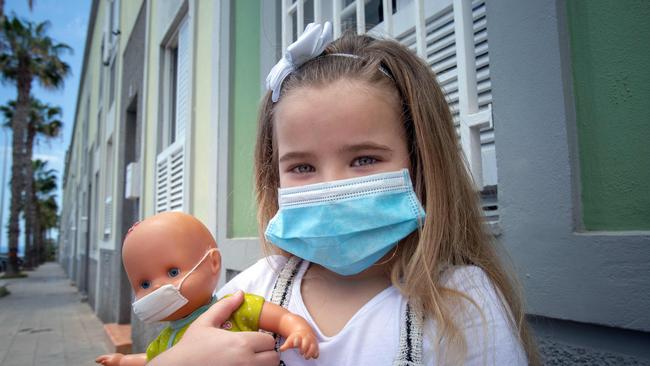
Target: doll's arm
x: 118, y: 359
x: 293, y: 328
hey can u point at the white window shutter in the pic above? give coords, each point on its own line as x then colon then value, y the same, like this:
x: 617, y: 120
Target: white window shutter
x: 162, y: 183
x: 176, y: 175
x: 183, y: 81
x: 170, y: 183
x: 108, y: 216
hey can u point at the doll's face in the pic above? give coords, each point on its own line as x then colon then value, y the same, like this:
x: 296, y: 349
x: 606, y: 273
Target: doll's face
x: 158, y: 252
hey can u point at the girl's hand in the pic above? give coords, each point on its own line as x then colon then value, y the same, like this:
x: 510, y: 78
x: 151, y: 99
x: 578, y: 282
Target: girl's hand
x: 204, y: 343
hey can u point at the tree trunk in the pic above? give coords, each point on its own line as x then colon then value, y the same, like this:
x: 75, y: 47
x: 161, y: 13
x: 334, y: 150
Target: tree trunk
x: 19, y: 129
x: 37, y: 225
x: 29, y: 205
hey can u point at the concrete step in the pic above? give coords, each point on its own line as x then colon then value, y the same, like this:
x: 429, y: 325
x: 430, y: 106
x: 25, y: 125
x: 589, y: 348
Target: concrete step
x: 118, y: 337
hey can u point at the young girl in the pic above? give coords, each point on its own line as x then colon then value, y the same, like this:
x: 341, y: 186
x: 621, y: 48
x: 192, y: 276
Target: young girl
x: 364, y: 197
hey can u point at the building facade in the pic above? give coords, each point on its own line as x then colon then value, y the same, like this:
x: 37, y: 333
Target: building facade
x: 548, y: 98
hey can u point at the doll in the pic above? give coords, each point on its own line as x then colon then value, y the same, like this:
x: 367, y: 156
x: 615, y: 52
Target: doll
x: 173, y: 266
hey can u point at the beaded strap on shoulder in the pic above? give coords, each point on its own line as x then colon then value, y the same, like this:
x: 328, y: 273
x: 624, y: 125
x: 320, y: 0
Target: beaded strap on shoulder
x: 410, y: 338
x: 282, y: 289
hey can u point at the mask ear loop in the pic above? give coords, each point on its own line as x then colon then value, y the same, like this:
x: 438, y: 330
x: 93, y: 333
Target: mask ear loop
x: 391, y: 257
x: 196, y: 266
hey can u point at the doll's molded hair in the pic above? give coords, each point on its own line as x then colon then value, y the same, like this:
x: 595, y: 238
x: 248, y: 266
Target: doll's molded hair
x: 132, y: 228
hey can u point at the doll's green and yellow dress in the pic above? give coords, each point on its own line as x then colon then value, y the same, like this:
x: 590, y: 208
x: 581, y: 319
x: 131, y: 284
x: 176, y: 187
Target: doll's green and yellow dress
x: 244, y: 319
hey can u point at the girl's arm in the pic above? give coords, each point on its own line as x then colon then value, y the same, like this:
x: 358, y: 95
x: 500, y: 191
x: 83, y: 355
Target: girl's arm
x: 293, y: 328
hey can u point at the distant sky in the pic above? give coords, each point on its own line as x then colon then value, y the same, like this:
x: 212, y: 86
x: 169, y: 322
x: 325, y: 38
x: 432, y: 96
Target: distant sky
x: 69, y: 22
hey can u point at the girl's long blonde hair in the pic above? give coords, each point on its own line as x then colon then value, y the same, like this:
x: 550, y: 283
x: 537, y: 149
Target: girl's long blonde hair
x: 453, y: 232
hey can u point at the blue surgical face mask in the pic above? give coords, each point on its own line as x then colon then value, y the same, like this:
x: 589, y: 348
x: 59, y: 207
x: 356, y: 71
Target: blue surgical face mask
x: 346, y: 225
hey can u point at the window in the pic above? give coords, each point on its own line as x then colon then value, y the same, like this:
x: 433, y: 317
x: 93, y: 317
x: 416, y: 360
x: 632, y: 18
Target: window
x: 101, y: 77
x: 108, y: 191
x: 84, y: 142
x: 111, y: 84
x: 175, y: 116
x: 109, y: 46
x: 94, y: 205
x: 98, y: 132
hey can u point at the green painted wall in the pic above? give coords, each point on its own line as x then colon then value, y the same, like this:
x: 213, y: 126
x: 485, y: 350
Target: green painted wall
x: 610, y: 50
x: 245, y: 96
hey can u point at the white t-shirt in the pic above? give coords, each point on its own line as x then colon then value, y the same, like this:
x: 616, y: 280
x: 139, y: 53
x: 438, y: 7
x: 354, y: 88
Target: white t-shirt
x: 371, y: 336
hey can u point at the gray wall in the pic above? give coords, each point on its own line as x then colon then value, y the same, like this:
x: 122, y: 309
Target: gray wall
x: 595, y: 277
x: 109, y: 268
x: 131, y: 137
x: 92, y: 281
x: 82, y: 279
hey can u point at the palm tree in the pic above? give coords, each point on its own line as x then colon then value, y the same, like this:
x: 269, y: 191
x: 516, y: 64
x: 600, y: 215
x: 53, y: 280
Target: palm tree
x: 42, y: 122
x: 46, y: 208
x: 30, y: 3
x: 28, y: 54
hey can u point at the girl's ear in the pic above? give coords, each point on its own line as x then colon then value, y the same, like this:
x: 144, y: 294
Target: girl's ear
x: 215, y: 261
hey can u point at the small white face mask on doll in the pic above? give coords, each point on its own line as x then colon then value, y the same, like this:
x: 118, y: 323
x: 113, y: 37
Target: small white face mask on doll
x: 165, y: 300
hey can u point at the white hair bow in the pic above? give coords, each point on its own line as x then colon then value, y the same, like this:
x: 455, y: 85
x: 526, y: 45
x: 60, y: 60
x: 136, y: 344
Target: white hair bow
x: 310, y: 44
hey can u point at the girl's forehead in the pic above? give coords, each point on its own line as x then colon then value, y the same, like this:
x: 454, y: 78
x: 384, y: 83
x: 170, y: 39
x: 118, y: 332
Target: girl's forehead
x: 338, y: 91
x: 340, y: 110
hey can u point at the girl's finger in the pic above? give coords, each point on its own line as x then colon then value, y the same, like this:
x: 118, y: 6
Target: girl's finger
x: 267, y: 358
x: 260, y: 342
x: 218, y: 313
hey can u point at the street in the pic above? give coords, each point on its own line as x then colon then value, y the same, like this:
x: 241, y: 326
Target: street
x: 43, y: 322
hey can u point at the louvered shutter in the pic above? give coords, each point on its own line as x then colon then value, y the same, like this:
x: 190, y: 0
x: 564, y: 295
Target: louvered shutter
x: 108, y: 216
x: 170, y: 178
x: 162, y: 183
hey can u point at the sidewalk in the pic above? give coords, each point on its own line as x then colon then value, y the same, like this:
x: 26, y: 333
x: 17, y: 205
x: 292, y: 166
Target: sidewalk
x: 42, y: 322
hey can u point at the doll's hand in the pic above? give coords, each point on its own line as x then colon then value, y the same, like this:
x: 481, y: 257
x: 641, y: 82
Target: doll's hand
x: 303, y: 340
x: 112, y: 359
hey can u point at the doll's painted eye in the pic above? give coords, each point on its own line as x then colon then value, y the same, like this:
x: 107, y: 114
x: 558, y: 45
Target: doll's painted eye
x: 173, y: 272
x: 145, y: 284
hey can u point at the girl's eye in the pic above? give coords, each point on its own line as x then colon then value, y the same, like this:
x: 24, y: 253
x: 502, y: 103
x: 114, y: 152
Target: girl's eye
x: 145, y: 284
x: 364, y: 160
x: 302, y: 169
x: 173, y: 272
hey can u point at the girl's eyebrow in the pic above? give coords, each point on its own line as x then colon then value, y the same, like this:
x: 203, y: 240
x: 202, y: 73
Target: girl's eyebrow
x: 352, y: 148
x: 366, y: 145
x: 295, y: 155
